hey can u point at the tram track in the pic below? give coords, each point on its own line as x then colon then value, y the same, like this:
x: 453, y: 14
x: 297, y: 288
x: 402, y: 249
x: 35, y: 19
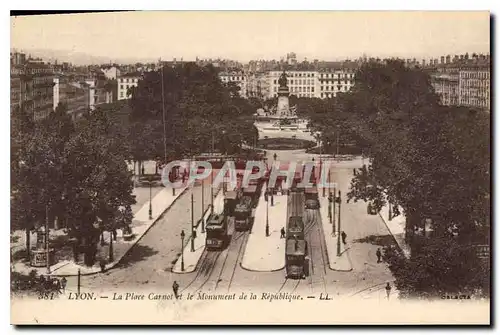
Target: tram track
x: 209, y: 258
x: 243, y: 242
x: 289, y: 285
x: 227, y: 251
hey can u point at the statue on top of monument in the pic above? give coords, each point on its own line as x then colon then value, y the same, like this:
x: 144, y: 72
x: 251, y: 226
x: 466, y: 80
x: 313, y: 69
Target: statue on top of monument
x: 282, y: 80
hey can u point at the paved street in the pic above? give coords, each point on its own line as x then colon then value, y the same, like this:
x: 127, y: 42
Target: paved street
x: 148, y: 264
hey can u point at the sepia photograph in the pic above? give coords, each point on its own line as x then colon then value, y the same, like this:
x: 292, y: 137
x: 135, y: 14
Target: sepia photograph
x: 250, y: 167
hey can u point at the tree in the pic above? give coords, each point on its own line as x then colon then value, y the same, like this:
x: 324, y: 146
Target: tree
x: 198, y: 106
x: 100, y: 179
x: 428, y: 160
x: 38, y: 166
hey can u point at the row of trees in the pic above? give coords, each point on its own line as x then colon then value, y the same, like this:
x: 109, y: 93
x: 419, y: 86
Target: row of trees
x: 73, y: 172
x: 200, y: 113
x: 431, y: 162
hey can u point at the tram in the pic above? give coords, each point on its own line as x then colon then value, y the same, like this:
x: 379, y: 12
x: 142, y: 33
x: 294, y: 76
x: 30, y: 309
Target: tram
x: 295, y: 228
x: 216, y: 230
x: 251, y: 192
x: 243, y: 214
x: 295, y: 258
x: 311, y: 195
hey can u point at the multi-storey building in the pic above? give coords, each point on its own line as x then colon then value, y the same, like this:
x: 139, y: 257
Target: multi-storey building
x: 74, y: 95
x: 257, y: 85
x: 325, y: 83
x: 332, y: 82
x: 463, y: 82
x: 125, y: 82
x: 446, y: 86
x: 300, y: 83
x: 237, y: 77
x: 31, y: 86
x: 21, y: 88
x: 474, y: 88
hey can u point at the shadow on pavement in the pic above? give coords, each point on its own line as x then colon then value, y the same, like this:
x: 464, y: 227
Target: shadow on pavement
x: 381, y: 240
x: 136, y: 254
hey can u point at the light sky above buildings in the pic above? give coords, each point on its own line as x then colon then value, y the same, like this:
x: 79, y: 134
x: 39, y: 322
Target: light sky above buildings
x: 256, y: 35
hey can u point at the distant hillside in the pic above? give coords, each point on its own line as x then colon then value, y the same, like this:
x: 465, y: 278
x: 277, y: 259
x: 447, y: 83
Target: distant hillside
x: 78, y: 58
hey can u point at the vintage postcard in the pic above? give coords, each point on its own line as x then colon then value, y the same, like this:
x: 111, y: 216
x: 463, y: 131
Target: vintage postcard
x: 250, y: 168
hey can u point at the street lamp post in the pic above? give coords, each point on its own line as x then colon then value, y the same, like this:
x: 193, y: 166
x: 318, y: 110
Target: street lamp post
x: 182, y: 250
x: 267, y: 218
x: 192, y: 222
x: 333, y: 215
x: 150, y: 200
x: 202, y: 206
x: 339, y: 231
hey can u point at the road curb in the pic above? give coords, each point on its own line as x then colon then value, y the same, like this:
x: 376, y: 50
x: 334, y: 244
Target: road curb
x: 250, y: 270
x: 346, y: 251
x: 110, y: 266
x: 188, y: 241
x: 401, y: 249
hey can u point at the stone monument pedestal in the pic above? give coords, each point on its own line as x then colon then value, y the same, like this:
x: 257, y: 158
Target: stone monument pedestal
x: 283, y: 101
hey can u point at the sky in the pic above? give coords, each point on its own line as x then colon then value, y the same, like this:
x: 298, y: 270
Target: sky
x: 250, y: 35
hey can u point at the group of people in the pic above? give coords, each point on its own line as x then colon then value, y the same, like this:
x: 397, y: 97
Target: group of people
x: 43, y: 283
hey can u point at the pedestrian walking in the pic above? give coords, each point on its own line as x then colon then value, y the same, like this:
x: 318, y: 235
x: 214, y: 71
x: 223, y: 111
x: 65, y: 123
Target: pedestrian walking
x: 344, y: 236
x: 175, y: 288
x: 354, y: 171
x: 282, y: 232
x: 142, y: 170
x: 379, y: 255
x: 388, y: 290
x: 275, y: 156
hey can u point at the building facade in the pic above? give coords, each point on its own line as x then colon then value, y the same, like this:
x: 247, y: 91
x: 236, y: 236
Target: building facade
x: 325, y: 83
x: 125, y: 82
x: 237, y: 77
x: 75, y: 96
x: 474, y: 88
x: 331, y: 82
x: 300, y: 83
x: 31, y: 86
x: 111, y: 73
x: 447, y: 87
